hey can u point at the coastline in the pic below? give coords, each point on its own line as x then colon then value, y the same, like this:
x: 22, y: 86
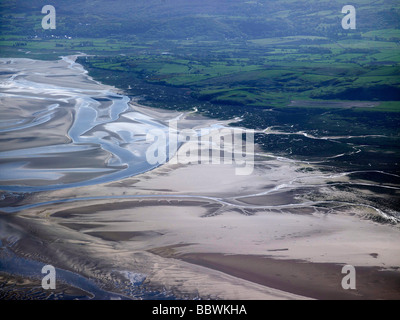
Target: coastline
x: 199, y: 230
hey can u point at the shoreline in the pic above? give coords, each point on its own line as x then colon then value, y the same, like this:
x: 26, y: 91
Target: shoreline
x: 199, y: 230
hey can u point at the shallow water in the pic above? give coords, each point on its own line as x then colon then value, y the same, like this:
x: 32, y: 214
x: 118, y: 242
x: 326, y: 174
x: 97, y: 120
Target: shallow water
x: 102, y: 136
x: 69, y: 285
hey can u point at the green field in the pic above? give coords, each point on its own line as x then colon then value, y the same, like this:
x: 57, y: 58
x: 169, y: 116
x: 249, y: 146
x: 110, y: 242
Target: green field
x: 285, y: 64
x: 262, y: 73
x: 227, y: 52
x: 283, y: 72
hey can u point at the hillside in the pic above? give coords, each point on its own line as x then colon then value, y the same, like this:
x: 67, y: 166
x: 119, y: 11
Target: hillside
x: 197, y: 19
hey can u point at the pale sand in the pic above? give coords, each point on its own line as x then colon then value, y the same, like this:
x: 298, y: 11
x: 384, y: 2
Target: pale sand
x: 204, y: 212
x: 130, y: 233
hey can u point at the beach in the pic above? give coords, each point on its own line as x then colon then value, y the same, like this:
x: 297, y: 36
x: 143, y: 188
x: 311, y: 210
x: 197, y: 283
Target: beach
x: 77, y: 193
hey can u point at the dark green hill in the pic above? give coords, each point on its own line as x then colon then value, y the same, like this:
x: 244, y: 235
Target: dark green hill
x: 204, y: 19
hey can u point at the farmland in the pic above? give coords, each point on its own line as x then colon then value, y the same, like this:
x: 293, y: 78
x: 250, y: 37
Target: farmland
x: 295, y: 69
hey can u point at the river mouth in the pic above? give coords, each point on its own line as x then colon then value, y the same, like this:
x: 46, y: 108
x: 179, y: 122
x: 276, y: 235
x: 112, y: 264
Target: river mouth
x: 60, y: 133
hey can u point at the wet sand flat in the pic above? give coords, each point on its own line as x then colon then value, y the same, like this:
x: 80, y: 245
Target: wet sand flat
x: 86, y: 201
x: 297, y: 254
x: 314, y: 280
